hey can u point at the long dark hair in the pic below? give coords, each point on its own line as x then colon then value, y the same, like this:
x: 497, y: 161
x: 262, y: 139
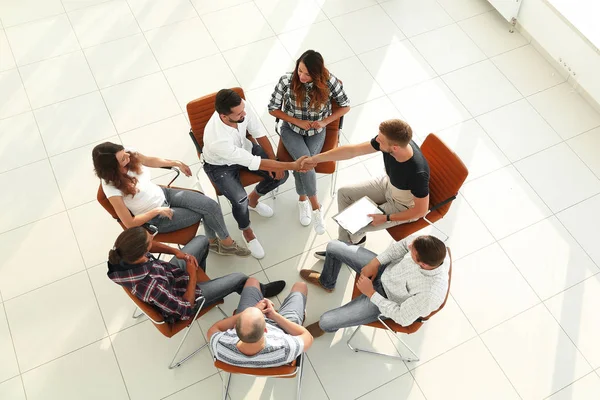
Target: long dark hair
x: 107, y: 167
x: 130, y: 245
x: 320, y: 75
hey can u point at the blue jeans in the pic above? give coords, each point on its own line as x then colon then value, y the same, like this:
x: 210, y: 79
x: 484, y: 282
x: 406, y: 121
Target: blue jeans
x: 215, y: 289
x: 360, y: 310
x: 188, y: 208
x: 298, y: 146
x: 226, y: 179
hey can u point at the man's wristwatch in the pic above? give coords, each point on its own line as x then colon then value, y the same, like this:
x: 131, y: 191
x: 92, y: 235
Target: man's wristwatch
x: 388, y: 218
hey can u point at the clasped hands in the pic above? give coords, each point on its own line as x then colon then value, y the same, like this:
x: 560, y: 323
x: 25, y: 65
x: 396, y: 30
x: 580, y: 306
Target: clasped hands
x: 267, y: 307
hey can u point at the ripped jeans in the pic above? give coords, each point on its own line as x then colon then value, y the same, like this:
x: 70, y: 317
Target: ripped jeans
x: 226, y: 178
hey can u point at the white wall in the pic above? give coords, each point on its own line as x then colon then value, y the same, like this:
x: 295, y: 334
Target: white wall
x: 562, y: 42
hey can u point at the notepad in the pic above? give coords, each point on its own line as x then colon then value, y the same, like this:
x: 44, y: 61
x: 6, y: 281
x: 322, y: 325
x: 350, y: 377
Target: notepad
x: 356, y: 216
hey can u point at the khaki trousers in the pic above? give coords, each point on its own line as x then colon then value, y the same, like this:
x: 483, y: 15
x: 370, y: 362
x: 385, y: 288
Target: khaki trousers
x: 384, y: 194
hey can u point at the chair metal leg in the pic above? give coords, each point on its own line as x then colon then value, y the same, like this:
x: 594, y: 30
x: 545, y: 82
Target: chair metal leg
x: 299, y: 377
x: 174, y: 364
x: 333, y: 182
x: 438, y: 229
x: 401, y: 357
x: 226, y: 391
x: 136, y: 316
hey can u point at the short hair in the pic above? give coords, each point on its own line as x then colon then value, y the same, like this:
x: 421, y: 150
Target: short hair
x: 225, y: 100
x: 396, y: 131
x: 250, y: 329
x: 430, y: 250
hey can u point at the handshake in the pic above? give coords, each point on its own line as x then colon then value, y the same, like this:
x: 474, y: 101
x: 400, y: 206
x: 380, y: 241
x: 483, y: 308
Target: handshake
x: 305, y: 164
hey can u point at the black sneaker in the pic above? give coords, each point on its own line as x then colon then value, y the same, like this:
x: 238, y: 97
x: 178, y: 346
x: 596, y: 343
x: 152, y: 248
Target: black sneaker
x: 272, y: 289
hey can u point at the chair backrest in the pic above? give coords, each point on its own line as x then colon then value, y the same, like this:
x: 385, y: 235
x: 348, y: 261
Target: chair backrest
x: 447, y: 293
x: 103, y: 200
x: 447, y: 172
x: 284, y: 371
x: 199, y: 112
x: 152, y: 313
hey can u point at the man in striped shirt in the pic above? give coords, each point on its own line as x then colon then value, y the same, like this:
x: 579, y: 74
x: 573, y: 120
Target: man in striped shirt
x: 257, y: 336
x: 407, y: 281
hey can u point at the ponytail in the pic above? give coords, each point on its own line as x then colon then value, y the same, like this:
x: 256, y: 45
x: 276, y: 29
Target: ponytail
x: 130, y: 246
x: 114, y: 256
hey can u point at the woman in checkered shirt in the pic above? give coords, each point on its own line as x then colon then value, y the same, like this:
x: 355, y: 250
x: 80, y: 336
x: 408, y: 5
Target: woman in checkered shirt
x: 302, y: 100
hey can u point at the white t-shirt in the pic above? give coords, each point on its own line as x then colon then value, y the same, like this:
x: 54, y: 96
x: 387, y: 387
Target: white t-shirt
x: 148, y: 197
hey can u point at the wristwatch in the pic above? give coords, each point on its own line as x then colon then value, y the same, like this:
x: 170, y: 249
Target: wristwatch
x: 388, y: 218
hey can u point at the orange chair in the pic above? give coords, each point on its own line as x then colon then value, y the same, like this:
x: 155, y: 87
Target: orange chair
x: 199, y: 112
x: 332, y: 140
x: 170, y: 330
x: 285, y: 371
x: 447, y: 174
x: 180, y: 237
x: 395, y: 328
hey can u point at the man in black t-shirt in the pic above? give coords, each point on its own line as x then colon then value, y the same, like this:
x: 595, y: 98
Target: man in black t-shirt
x: 402, y: 194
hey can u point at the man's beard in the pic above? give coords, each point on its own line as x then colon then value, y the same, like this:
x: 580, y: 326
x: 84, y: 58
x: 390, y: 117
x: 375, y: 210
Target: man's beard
x: 239, y: 121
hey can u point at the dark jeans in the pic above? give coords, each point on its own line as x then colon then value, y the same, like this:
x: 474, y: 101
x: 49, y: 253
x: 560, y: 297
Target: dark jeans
x: 361, y: 310
x: 226, y: 179
x: 215, y: 289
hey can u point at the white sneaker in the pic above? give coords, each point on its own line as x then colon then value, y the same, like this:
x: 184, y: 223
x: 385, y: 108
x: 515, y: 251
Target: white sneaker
x: 262, y: 209
x: 256, y: 249
x: 304, y: 210
x: 318, y: 222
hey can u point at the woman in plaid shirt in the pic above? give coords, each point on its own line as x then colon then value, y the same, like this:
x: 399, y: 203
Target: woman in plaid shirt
x: 302, y: 100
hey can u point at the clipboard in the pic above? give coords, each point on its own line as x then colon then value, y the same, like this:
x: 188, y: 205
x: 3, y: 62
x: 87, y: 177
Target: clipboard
x: 355, y: 217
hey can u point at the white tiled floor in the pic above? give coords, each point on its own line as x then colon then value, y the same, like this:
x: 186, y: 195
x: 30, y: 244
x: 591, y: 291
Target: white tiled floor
x: 521, y: 321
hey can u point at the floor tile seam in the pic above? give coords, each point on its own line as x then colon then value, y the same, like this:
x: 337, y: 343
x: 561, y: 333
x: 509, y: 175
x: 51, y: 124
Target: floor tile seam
x: 155, y: 58
x: 478, y: 336
x: 168, y: 23
x: 95, y: 341
x: 108, y: 332
x: 360, y: 8
x: 543, y: 302
x: 40, y: 135
x: 30, y: 291
x: 84, y: 7
x: 387, y: 383
x: 314, y: 21
x: 570, y: 384
x: 220, y: 9
x: 14, y: 348
x: 189, y: 386
x: 463, y: 19
x: 30, y: 107
x: 307, y: 358
x: 4, y: 27
x: 54, y: 57
x: 293, y: 256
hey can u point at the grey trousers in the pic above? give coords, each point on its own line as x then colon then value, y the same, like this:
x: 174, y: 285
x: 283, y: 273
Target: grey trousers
x: 381, y: 191
x: 298, y: 146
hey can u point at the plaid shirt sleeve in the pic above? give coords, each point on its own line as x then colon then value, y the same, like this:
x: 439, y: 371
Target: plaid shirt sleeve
x: 167, y: 302
x: 337, y: 91
x: 277, y: 97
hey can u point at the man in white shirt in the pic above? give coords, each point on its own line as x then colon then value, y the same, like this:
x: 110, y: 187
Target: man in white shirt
x: 227, y: 151
x: 409, y: 280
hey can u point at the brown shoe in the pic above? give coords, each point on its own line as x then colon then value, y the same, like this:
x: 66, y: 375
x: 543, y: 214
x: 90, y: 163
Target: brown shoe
x: 315, y: 330
x: 311, y: 276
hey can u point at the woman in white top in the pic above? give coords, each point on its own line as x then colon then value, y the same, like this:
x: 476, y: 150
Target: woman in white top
x: 125, y: 178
